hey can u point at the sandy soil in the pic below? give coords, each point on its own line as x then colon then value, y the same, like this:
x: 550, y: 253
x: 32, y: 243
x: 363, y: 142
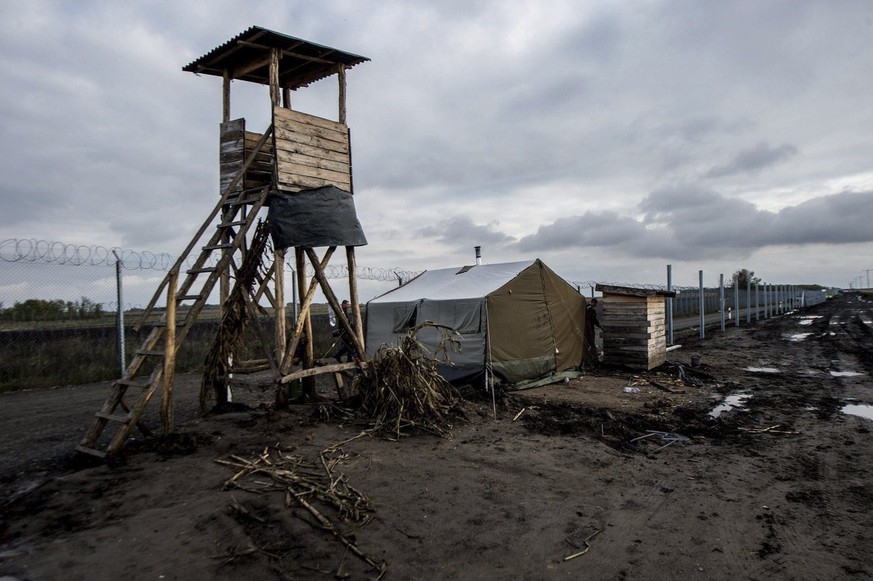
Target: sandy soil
x: 776, y: 488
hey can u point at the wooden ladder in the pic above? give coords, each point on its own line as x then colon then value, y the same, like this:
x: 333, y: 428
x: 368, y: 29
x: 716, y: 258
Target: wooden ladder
x: 228, y: 237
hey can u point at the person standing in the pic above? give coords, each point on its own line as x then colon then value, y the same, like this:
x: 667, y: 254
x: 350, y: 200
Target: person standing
x: 591, y: 314
x: 591, y: 324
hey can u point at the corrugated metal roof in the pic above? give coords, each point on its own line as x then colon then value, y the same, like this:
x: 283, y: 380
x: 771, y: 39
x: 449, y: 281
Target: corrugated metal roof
x: 247, y: 57
x: 455, y: 283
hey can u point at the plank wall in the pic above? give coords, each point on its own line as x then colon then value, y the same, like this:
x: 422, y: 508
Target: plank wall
x: 311, y: 152
x: 634, y: 331
x: 235, y: 145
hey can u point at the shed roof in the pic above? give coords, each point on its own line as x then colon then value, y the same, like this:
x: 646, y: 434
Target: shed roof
x: 247, y: 57
x: 633, y: 291
x: 467, y: 282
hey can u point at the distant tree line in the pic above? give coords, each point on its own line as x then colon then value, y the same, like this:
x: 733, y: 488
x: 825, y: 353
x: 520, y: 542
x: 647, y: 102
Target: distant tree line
x: 41, y: 310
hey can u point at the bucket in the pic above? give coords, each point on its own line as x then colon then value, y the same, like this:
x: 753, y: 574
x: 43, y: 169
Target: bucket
x: 695, y: 360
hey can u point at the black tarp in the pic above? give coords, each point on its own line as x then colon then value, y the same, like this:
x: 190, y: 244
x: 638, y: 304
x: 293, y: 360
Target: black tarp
x: 315, y: 218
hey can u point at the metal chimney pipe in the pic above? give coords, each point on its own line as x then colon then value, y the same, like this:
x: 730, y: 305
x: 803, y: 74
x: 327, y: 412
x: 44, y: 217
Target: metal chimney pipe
x: 478, y: 250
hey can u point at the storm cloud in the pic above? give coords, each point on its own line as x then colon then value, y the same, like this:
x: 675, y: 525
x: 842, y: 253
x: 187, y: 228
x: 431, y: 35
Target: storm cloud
x: 754, y: 159
x: 688, y: 223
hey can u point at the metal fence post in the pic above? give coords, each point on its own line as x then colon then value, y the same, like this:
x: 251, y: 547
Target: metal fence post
x: 669, y: 305
x: 737, y: 302
x: 721, y: 299
x: 702, y: 309
x: 748, y: 300
x: 122, y: 359
x: 757, y: 302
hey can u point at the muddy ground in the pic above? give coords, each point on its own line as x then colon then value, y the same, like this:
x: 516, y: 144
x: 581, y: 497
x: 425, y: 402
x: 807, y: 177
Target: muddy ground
x: 776, y: 487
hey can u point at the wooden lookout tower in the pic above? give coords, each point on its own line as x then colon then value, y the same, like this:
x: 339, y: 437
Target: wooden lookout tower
x: 299, y: 172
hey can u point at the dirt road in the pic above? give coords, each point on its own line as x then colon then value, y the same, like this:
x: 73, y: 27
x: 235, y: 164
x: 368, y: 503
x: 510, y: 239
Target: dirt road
x: 777, y: 486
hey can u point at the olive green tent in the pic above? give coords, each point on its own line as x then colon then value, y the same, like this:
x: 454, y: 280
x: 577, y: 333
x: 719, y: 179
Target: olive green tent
x: 519, y: 320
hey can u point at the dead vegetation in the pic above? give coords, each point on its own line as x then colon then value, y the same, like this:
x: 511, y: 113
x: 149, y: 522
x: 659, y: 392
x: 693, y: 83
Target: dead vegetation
x: 326, y: 495
x: 238, y: 314
x: 402, y: 388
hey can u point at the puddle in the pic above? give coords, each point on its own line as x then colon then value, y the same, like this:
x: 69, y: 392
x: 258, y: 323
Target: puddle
x: 761, y: 369
x: 860, y: 410
x: 846, y: 373
x: 734, y: 401
x: 797, y: 337
x: 809, y: 319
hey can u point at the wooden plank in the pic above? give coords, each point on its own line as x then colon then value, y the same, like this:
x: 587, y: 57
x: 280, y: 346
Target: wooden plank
x: 333, y: 368
x: 297, y: 153
x: 251, y: 138
x: 285, y: 139
x: 283, y: 114
x: 301, y: 182
x: 335, y: 161
x: 312, y: 172
x: 644, y: 336
x: 337, y: 136
x: 633, y: 308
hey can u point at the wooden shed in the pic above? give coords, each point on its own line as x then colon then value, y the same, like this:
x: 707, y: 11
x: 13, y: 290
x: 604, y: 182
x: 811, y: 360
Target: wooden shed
x: 634, y: 326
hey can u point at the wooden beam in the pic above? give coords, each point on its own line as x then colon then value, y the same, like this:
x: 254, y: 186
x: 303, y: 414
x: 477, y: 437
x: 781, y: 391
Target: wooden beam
x: 334, y: 302
x: 225, y: 93
x: 305, y: 301
x: 333, y: 368
x: 353, y: 296
x: 167, y: 411
x: 309, y: 347
x: 274, y: 77
x: 279, y: 286
x: 341, y: 75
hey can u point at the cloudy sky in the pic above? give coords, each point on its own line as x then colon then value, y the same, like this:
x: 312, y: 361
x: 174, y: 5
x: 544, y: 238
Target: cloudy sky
x: 609, y: 138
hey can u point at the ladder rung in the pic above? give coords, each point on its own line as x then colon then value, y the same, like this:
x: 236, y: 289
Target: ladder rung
x: 199, y: 270
x: 240, y: 201
x: 218, y: 246
x: 181, y: 298
x: 231, y: 224
x: 121, y: 418
x: 90, y: 451
x: 150, y: 353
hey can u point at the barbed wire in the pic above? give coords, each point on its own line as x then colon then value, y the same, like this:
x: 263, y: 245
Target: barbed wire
x: 33, y: 250
x: 43, y: 251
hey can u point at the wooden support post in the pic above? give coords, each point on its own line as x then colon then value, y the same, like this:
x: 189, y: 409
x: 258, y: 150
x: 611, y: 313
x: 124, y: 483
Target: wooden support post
x: 303, y: 315
x: 308, y: 347
x: 167, y: 411
x: 286, y: 97
x: 274, y: 77
x: 334, y: 302
x: 279, y: 286
x: 353, y: 296
x: 225, y: 94
x: 341, y: 76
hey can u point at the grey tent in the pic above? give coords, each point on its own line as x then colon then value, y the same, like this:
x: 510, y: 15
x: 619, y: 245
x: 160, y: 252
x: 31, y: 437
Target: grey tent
x: 519, y: 318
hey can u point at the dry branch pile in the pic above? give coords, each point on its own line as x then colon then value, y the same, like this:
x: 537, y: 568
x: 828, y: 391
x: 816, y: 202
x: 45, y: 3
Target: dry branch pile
x: 402, y: 388
x: 326, y: 496
x: 235, y: 319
